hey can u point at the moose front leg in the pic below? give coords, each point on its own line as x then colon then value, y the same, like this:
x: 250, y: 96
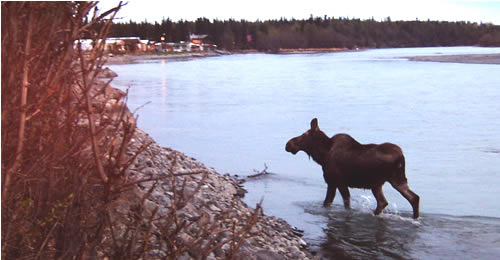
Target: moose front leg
x: 346, y: 196
x: 381, y: 201
x: 330, y: 195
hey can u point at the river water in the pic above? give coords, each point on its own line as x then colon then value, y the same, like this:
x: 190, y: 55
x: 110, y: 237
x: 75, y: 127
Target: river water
x: 235, y: 113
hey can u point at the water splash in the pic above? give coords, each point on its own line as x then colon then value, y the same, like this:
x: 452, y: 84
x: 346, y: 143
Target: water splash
x: 392, y: 209
x: 399, y: 218
x: 365, y: 203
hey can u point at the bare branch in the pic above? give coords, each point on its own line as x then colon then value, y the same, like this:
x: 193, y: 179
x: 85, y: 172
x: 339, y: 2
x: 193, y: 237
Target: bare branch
x: 22, y: 119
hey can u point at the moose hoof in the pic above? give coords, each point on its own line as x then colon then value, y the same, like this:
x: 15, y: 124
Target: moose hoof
x: 326, y: 204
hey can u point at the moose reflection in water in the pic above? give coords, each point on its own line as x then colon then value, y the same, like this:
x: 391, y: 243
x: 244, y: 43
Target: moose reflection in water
x: 347, y: 163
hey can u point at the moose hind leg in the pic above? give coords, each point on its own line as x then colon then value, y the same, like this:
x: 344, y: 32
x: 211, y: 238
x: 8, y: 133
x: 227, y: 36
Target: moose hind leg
x: 346, y: 196
x: 381, y: 201
x: 330, y: 195
x: 411, y: 196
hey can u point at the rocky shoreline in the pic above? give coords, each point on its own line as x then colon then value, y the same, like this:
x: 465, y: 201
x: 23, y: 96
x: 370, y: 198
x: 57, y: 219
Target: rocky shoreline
x: 187, y: 207
x: 212, y: 196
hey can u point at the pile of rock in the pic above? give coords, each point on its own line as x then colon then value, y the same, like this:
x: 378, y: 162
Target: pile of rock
x: 206, y: 199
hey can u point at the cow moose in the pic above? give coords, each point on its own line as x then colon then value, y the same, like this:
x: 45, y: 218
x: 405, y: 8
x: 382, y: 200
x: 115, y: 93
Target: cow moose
x: 347, y: 163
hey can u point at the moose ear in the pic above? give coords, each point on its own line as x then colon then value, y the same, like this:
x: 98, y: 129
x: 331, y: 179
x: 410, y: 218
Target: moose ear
x: 314, y: 124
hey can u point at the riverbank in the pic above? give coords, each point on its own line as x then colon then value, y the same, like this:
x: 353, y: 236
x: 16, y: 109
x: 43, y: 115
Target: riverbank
x: 210, y: 200
x: 190, y: 210
x: 132, y: 58
x: 463, y: 58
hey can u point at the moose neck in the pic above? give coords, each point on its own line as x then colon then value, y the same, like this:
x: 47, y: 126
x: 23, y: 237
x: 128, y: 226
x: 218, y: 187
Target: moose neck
x: 320, y: 151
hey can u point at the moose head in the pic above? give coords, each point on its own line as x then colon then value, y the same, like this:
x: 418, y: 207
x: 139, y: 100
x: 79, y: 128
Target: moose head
x: 313, y: 142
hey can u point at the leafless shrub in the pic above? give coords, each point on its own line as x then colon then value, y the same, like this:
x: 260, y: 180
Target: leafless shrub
x: 53, y: 197
x: 64, y: 159
x: 150, y: 233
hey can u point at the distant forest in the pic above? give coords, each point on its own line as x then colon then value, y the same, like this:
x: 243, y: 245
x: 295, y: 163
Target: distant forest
x: 316, y: 32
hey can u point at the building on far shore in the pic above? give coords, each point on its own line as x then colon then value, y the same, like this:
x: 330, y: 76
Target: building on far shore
x: 128, y: 45
x: 122, y: 45
x: 184, y: 47
x: 197, y: 38
x: 199, y: 42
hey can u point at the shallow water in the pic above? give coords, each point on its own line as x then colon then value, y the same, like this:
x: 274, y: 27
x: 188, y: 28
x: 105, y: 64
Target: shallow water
x: 235, y: 113
x: 357, y: 234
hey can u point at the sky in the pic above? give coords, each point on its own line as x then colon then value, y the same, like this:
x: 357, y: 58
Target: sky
x: 486, y: 11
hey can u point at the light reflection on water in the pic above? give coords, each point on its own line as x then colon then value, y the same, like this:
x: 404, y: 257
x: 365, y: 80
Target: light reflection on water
x: 236, y: 113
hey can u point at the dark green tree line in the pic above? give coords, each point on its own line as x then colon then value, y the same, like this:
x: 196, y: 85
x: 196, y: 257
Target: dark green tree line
x: 316, y: 32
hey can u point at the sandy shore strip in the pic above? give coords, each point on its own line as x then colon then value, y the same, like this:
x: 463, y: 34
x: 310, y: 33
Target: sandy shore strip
x: 132, y: 58
x: 462, y: 58
x: 310, y: 50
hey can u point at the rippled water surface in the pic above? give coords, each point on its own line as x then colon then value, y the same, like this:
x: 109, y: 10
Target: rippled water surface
x: 235, y: 113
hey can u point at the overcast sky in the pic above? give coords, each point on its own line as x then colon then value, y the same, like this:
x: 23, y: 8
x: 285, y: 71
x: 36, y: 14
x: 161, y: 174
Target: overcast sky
x: 486, y: 11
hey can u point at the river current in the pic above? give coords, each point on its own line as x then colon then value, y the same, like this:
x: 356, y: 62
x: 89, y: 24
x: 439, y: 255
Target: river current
x: 236, y: 112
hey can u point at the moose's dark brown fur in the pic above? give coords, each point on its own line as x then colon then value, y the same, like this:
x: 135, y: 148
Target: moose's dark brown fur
x: 347, y: 163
